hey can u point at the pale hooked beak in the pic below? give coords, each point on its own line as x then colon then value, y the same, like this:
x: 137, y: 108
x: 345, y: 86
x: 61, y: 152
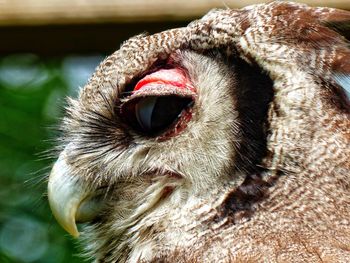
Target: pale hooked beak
x: 70, y: 200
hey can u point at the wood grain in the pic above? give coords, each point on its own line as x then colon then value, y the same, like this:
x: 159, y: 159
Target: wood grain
x: 46, y: 12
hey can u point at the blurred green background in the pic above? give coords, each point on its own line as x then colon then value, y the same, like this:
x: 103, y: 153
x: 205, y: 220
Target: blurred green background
x: 32, y: 95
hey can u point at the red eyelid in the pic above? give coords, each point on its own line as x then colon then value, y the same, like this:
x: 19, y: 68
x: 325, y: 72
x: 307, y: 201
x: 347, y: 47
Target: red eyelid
x: 172, y: 77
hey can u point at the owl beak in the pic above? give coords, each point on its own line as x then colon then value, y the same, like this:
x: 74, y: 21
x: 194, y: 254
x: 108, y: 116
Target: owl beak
x: 70, y: 200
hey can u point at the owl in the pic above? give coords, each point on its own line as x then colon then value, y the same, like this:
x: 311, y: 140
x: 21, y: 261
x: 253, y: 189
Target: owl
x: 224, y: 141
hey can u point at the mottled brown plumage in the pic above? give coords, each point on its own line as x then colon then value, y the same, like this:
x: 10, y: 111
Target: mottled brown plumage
x: 257, y: 170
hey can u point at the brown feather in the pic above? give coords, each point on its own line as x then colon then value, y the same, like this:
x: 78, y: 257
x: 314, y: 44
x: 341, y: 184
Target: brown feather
x: 260, y: 173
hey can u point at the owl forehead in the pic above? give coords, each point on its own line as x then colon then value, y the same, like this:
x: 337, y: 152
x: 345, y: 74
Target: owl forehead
x: 278, y: 32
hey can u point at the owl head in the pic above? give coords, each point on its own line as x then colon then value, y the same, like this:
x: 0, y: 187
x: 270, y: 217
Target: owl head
x: 182, y: 138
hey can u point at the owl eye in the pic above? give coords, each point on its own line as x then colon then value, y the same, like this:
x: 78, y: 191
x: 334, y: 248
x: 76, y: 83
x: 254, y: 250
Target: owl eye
x: 159, y: 101
x: 155, y: 114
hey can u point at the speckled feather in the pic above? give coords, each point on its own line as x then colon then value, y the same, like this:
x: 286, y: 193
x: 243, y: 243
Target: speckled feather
x: 295, y: 209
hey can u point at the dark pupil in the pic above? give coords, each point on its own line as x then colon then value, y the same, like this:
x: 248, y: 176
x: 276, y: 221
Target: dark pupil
x: 155, y: 114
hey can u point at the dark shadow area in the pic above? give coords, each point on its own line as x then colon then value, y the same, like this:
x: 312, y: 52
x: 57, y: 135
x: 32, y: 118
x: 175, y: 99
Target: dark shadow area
x: 58, y: 40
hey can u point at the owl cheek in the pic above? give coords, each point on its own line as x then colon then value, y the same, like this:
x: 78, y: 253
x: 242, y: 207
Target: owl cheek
x: 71, y: 201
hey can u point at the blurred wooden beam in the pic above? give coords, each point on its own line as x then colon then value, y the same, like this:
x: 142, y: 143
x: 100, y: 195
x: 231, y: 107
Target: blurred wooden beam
x: 53, y: 12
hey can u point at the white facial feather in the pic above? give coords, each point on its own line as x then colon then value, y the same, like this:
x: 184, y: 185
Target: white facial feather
x: 212, y: 132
